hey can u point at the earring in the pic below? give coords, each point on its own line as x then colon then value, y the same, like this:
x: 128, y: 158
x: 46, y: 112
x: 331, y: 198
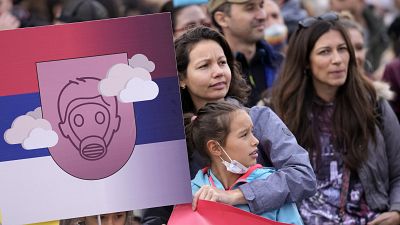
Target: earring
x: 183, y: 86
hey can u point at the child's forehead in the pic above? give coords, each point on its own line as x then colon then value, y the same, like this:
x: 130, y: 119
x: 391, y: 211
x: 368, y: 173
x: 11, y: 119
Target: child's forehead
x: 241, y: 117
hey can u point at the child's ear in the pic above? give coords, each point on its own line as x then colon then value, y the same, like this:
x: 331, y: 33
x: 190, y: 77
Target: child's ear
x: 213, y: 148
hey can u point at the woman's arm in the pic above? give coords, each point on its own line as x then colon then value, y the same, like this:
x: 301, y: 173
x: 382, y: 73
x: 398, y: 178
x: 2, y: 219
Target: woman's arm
x: 390, y: 129
x: 294, y: 179
x: 391, y: 134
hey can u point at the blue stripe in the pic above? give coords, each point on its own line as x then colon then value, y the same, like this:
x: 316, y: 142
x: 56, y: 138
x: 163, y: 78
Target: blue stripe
x: 157, y: 120
x: 160, y: 119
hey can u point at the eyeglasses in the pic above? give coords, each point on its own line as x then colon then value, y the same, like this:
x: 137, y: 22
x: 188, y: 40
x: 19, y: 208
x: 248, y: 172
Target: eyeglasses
x: 192, y: 25
x: 309, y: 21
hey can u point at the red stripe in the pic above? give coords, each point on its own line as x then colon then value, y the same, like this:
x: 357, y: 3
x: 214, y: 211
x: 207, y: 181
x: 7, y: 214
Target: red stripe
x: 21, y: 49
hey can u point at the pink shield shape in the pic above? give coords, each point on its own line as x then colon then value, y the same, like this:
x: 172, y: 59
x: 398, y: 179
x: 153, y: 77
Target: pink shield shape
x: 96, y: 133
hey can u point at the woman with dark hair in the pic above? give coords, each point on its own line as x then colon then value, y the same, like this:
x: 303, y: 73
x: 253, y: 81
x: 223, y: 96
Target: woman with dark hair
x: 352, y: 137
x: 237, y: 87
x: 207, y: 73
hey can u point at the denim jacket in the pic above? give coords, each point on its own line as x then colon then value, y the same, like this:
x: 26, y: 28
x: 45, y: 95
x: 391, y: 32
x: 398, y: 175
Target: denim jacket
x: 294, y: 179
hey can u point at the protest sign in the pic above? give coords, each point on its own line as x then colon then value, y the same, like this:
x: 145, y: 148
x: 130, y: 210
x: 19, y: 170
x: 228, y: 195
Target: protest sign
x: 91, y: 120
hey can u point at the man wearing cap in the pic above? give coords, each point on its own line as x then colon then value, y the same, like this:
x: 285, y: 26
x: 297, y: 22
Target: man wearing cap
x: 243, y: 22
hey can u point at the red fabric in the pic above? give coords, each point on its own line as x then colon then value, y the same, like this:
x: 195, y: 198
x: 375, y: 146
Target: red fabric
x: 214, y: 213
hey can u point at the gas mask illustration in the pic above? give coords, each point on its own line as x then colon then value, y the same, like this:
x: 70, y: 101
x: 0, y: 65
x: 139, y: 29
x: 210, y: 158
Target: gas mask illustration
x: 89, y: 122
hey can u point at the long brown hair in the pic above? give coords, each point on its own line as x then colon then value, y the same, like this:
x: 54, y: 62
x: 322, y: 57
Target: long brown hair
x: 183, y: 46
x: 354, y: 117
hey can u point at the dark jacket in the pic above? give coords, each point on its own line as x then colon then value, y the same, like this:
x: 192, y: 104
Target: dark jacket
x: 392, y: 76
x: 380, y: 174
x: 262, y: 70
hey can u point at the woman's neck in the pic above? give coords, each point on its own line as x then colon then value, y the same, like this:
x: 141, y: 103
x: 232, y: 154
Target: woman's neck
x: 225, y: 177
x: 199, y: 103
x: 328, y: 94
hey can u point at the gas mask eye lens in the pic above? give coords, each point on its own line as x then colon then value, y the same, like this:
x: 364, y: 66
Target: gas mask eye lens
x: 100, y: 117
x: 78, y: 120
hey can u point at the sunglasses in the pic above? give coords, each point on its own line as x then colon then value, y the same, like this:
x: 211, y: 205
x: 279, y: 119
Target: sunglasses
x: 309, y: 21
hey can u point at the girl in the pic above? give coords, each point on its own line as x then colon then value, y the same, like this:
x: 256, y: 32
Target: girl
x: 222, y: 132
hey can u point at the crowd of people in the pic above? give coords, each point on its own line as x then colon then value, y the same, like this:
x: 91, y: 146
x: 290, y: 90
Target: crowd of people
x: 291, y: 107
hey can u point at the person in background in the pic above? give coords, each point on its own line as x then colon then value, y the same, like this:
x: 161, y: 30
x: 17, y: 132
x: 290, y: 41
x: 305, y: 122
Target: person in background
x: 357, y: 38
x: 119, y: 218
x: 106, y: 219
x: 391, y: 73
x: 137, y: 220
x: 138, y: 7
x: 292, y: 11
x: 374, y: 28
x: 276, y: 34
x: 242, y: 23
x: 185, y: 17
x: 276, y: 31
x: 351, y: 136
x: 71, y: 11
x: 112, y: 8
x: 222, y: 132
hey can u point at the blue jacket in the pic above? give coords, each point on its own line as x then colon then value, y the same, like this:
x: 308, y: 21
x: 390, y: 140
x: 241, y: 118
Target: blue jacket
x: 287, y: 213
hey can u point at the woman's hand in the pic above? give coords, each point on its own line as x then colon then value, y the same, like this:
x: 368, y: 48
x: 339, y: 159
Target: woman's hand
x: 232, y: 197
x: 387, y: 218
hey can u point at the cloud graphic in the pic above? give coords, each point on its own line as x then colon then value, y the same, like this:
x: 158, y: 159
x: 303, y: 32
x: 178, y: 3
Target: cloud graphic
x: 36, y: 114
x: 139, y: 90
x: 21, y: 127
x: 140, y: 60
x: 118, y: 76
x: 40, y: 138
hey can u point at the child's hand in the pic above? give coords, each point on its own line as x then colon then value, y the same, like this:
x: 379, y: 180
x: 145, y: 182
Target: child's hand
x: 205, y: 193
x: 209, y: 193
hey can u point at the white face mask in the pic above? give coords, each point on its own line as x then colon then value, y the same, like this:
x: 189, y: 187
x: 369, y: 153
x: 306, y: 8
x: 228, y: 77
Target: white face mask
x: 234, y: 166
x: 275, y: 34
